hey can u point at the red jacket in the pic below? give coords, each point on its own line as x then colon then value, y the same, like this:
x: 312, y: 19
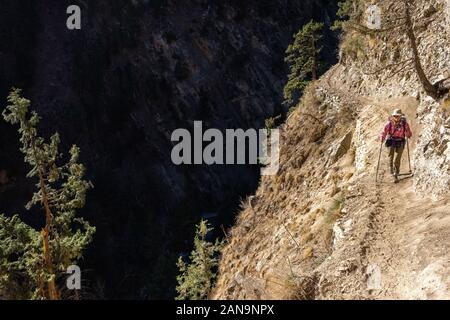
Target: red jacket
x: 402, y: 130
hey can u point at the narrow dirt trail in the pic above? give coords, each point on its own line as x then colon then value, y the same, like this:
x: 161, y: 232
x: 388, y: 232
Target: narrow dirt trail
x: 410, y: 246
x: 407, y: 250
x: 404, y: 239
x: 399, y: 239
x: 328, y: 230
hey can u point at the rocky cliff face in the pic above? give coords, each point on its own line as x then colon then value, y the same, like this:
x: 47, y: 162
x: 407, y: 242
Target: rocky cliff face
x: 118, y: 88
x: 323, y: 228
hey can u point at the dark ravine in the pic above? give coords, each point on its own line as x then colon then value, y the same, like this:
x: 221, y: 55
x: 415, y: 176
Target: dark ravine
x: 118, y: 88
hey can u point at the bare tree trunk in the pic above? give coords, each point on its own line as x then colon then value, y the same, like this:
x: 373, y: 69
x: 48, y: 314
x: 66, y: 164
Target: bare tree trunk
x: 48, y: 264
x: 52, y: 291
x: 429, y: 88
x: 314, y: 65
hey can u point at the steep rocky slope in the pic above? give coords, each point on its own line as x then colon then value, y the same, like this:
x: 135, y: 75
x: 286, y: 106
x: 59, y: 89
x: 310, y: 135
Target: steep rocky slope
x: 322, y: 228
x: 136, y: 71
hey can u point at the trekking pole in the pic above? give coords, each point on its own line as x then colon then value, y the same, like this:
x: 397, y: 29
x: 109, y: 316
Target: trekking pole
x: 379, y: 159
x: 409, y: 158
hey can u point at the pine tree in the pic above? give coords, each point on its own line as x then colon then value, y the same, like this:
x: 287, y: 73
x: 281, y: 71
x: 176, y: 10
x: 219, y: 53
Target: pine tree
x: 303, y: 57
x: 348, y: 12
x: 197, y: 278
x: 42, y: 257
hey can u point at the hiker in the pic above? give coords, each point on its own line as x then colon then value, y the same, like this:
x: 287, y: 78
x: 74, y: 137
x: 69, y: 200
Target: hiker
x: 395, y: 133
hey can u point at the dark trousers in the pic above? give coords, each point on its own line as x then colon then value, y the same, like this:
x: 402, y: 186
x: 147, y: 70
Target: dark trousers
x: 395, y: 157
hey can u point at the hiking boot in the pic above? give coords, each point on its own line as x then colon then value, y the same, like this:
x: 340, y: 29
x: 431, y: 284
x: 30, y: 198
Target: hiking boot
x: 396, y: 178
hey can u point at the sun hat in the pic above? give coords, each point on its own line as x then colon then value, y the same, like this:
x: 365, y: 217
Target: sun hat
x: 397, y: 112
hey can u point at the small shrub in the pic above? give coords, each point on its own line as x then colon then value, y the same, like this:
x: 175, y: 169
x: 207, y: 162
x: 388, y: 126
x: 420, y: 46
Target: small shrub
x: 197, y: 278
